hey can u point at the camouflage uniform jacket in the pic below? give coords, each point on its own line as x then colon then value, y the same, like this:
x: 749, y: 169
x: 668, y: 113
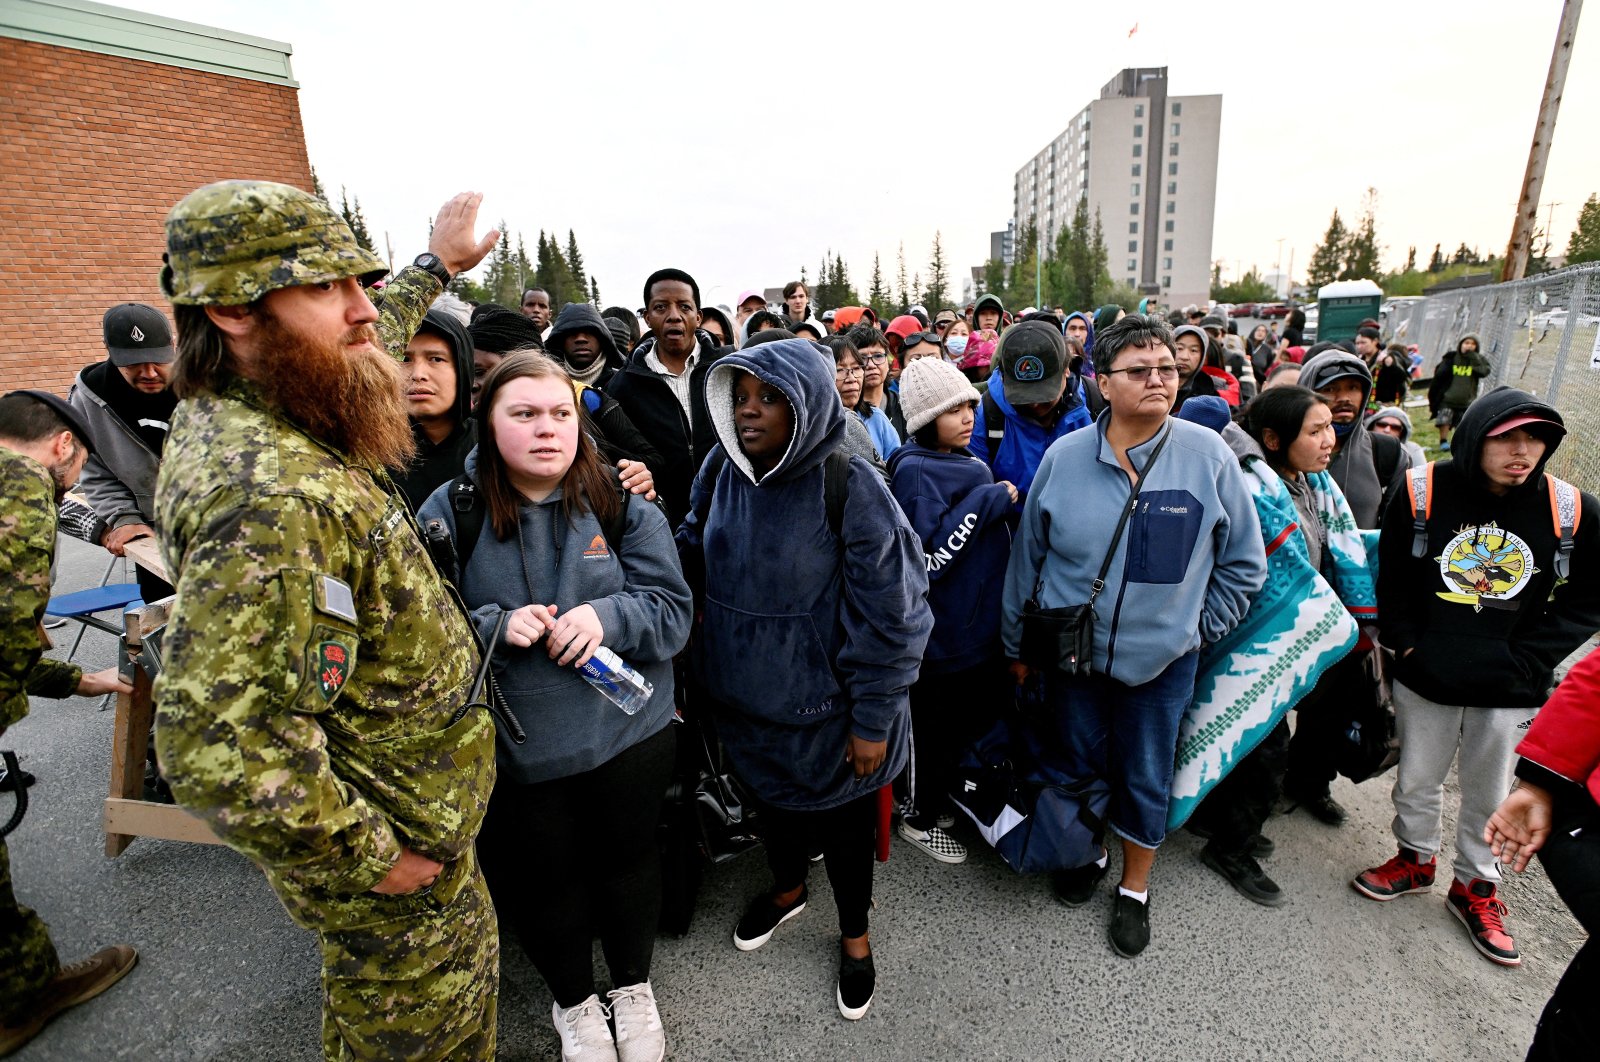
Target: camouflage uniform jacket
x: 27, y: 545
x: 315, y: 664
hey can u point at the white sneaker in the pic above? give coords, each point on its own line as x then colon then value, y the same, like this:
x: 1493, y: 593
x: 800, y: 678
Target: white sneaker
x: 640, y: 1037
x: 585, y: 1036
x: 935, y: 842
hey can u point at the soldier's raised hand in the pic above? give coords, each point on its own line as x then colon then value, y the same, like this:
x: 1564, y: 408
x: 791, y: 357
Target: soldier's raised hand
x: 452, y: 238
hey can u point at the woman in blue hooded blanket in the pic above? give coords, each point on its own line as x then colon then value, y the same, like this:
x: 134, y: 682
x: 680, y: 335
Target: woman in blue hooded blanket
x: 813, y: 632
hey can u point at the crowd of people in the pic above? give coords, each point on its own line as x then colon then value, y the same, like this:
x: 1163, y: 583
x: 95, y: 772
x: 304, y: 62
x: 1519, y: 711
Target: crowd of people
x: 417, y: 546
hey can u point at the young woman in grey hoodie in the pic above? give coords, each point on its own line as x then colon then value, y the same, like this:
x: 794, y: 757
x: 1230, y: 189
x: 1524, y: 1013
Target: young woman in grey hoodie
x: 568, y: 843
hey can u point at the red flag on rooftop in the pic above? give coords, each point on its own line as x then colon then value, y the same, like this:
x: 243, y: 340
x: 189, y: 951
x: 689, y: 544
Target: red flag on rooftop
x: 1134, y: 30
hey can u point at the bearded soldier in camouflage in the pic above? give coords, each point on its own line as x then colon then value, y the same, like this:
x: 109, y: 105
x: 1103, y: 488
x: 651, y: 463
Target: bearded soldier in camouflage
x: 43, y: 447
x: 314, y: 704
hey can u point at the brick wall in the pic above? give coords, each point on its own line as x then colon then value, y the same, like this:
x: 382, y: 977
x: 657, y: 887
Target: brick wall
x: 94, y: 150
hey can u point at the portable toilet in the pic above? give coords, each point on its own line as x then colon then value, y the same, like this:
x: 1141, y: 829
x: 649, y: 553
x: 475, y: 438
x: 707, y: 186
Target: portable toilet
x: 1343, y: 305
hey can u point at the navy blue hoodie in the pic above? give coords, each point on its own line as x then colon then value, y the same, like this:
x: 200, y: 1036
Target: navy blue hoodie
x: 959, y: 512
x: 808, y: 637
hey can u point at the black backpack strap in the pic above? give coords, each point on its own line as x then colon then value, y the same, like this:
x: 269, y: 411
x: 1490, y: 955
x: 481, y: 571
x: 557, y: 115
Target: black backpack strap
x: 615, y: 528
x: 994, y: 425
x: 451, y: 553
x: 835, y: 489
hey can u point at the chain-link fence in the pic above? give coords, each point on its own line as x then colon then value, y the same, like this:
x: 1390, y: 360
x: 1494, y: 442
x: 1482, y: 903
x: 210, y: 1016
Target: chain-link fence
x: 1540, y: 334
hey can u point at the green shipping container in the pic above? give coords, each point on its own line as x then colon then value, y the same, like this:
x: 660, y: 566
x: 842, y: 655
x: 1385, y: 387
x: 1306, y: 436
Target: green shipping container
x: 1343, y: 305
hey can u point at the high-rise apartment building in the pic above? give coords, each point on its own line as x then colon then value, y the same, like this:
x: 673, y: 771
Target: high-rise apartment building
x: 1147, y: 162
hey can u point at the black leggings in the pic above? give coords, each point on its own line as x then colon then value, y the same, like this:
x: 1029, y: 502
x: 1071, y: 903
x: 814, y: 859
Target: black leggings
x: 1319, y: 722
x: 1237, y: 807
x: 846, y: 835
x: 1569, y: 1028
x: 948, y: 712
x: 575, y: 858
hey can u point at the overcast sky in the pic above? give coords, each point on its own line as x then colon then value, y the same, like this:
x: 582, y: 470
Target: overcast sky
x: 740, y: 141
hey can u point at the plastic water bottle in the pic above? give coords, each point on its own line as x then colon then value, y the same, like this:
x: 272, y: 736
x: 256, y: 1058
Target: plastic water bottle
x: 621, y: 684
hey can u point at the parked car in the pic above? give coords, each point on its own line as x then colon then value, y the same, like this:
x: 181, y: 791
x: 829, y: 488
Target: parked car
x: 1309, y: 333
x: 1268, y: 311
x: 1243, y: 309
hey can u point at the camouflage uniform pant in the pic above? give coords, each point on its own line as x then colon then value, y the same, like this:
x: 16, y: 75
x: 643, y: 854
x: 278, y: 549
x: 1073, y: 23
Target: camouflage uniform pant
x: 27, y: 957
x: 418, y: 987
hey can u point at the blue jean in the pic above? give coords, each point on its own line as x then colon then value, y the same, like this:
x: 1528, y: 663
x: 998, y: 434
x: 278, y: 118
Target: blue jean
x: 1127, y: 735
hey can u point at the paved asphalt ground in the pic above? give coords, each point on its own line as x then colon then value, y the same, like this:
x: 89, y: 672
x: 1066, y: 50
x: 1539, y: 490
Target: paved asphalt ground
x: 974, y: 962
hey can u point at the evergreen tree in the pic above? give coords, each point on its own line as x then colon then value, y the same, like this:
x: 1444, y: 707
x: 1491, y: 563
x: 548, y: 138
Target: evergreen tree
x: 844, y: 293
x: 1103, y: 289
x: 317, y: 190
x: 1411, y: 260
x: 1021, y: 286
x: 1361, y: 249
x: 594, y: 291
x: 1584, y: 243
x: 994, y: 278
x: 1327, y: 258
x: 578, y: 288
x: 500, y: 277
x: 938, y: 294
x: 524, y: 269
x: 1436, y: 263
x: 354, y: 218
x: 1465, y: 255
x: 900, y: 278
x: 877, y: 294
x: 1079, y: 295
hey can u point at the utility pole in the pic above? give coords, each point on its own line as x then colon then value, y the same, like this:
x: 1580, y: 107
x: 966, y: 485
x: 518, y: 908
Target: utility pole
x: 1539, y: 154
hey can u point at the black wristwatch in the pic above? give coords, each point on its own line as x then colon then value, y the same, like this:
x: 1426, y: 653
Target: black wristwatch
x: 432, y: 264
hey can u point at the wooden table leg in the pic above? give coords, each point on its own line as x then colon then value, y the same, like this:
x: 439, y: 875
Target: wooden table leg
x: 130, y: 745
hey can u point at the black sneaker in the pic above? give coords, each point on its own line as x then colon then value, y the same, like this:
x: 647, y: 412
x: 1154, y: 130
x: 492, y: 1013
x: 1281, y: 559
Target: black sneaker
x: 1323, y: 808
x: 857, y: 979
x: 762, y: 917
x: 1076, y: 887
x: 1130, y: 926
x: 1244, y: 874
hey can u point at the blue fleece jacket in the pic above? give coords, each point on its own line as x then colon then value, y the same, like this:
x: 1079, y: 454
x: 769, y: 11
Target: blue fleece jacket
x: 881, y: 428
x: 1190, y: 559
x: 639, y: 594
x: 1024, y: 443
x: 958, y: 511
x: 808, y: 637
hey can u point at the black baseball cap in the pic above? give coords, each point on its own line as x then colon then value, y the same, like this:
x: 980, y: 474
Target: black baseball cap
x: 65, y: 412
x: 136, y: 334
x: 1033, y: 357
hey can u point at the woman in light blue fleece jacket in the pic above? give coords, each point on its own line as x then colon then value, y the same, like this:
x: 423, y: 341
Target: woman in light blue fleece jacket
x: 1183, y: 574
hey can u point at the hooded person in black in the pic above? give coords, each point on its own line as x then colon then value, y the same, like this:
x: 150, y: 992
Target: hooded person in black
x: 1478, y: 616
x: 1369, y: 468
x: 581, y: 341
x: 446, y: 437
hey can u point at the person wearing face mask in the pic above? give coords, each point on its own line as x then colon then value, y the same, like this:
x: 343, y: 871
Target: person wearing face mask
x: 956, y: 337
x: 1301, y: 624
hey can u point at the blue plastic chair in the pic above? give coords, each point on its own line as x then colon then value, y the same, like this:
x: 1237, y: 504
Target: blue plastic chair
x: 83, y: 605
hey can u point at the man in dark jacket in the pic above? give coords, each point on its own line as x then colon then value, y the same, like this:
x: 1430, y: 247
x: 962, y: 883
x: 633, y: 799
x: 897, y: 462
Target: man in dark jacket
x: 1479, y: 605
x: 127, y: 402
x: 439, y: 380
x: 662, y: 387
x: 581, y: 341
x: 1455, y: 385
x: 1369, y: 468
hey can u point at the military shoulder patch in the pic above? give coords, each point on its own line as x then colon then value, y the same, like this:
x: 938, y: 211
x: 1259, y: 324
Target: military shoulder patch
x: 333, y: 668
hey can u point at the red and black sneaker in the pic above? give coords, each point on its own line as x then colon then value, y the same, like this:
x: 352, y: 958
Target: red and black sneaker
x: 1406, y: 872
x: 1483, y: 913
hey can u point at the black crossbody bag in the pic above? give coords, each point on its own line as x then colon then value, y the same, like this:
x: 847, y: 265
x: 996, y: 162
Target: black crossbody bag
x: 1062, y: 639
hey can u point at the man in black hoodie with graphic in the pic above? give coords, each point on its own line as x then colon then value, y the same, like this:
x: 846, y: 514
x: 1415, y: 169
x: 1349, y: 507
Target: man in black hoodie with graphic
x: 662, y: 388
x: 1479, y: 604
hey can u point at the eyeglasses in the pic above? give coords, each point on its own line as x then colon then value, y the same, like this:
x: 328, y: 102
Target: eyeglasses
x: 874, y: 359
x: 1141, y: 373
x: 842, y: 373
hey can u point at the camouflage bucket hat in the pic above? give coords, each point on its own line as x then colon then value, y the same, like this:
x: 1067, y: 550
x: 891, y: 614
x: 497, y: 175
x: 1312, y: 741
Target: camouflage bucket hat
x: 232, y: 242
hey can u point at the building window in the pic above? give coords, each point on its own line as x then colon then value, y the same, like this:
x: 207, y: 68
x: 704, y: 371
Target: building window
x: 1136, y: 168
x: 1172, y: 149
x: 1133, y: 208
x: 1172, y: 169
x: 1168, y: 247
x: 1133, y: 246
x: 1172, y: 187
x: 1170, y: 225
x: 1172, y: 208
x: 1138, y: 110
x: 1166, y: 263
x: 1138, y: 149
x: 1174, y: 128
x: 1132, y: 281
x: 1177, y: 109
x: 1132, y: 265
x: 1138, y: 130
x: 1135, y: 188
x: 1133, y: 228
x: 1166, y: 282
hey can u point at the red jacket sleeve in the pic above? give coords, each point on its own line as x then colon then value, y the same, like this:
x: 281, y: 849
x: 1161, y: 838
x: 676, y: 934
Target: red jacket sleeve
x: 1565, y: 736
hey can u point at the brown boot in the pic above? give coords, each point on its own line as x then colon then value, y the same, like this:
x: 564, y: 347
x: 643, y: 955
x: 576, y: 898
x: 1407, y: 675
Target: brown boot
x: 74, y: 984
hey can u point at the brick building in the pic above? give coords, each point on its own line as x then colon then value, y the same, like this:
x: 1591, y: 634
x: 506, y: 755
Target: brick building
x: 107, y: 118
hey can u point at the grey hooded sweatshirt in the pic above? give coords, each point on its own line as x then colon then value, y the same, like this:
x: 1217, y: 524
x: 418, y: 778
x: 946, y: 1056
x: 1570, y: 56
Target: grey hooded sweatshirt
x: 1368, y: 468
